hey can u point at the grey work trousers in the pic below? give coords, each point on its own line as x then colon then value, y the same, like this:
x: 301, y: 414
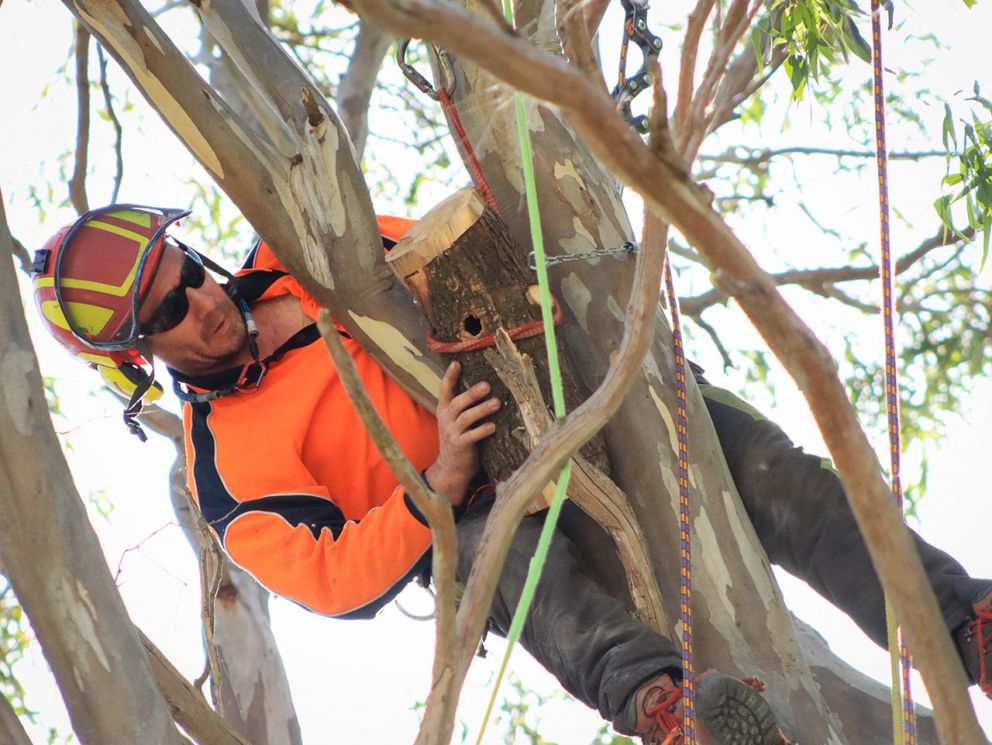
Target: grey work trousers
x: 602, y: 655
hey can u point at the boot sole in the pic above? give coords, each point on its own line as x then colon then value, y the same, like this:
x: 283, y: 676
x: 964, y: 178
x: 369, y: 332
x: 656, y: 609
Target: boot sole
x: 732, y: 713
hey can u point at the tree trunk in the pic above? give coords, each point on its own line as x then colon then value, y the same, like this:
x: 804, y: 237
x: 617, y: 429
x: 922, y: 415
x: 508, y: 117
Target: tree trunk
x: 324, y: 239
x: 581, y: 212
x: 55, y: 564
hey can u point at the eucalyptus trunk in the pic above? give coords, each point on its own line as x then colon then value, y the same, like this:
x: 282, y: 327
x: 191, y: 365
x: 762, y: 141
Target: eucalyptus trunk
x: 54, y: 562
x: 304, y: 193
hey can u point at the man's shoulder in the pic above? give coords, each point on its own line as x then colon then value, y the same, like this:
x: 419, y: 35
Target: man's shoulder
x: 261, y: 257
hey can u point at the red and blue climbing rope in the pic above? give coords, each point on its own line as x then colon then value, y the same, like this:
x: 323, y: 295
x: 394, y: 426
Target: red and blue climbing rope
x: 685, y: 539
x: 891, y: 371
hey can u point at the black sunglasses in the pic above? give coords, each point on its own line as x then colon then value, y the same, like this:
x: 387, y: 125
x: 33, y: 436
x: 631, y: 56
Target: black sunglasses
x: 175, y: 305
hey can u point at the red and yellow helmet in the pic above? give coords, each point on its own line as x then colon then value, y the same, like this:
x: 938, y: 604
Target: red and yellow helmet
x: 90, y: 279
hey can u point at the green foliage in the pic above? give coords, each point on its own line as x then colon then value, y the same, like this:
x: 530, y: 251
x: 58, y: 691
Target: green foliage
x: 814, y: 36
x: 516, y: 710
x: 968, y: 181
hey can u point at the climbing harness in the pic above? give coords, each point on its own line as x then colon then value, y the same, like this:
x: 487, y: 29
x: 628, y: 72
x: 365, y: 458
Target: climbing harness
x: 904, y: 726
x: 635, y: 28
x: 443, y: 96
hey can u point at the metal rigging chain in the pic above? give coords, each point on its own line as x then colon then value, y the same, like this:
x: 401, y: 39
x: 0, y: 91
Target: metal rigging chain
x: 908, y: 718
x: 635, y: 28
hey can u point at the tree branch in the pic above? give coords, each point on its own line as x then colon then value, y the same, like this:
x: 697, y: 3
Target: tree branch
x: 435, y: 508
x: 738, y: 20
x: 108, y: 102
x: 11, y: 730
x: 820, y: 281
x: 358, y: 83
x: 188, y: 706
x: 573, y: 28
x: 77, y: 184
x: 694, y: 26
x: 70, y: 597
x: 669, y: 192
x: 741, y: 155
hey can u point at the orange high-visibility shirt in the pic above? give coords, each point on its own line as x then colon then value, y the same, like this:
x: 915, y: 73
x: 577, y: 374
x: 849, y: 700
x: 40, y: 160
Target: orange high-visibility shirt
x: 289, y: 479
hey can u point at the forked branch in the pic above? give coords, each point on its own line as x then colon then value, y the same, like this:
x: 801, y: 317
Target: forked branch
x: 669, y: 192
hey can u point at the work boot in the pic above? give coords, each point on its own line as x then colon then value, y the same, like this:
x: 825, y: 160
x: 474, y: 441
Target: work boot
x: 728, y: 712
x: 974, y: 641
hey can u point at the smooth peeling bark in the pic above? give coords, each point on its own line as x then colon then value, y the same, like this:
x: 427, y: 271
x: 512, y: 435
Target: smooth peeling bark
x: 581, y: 211
x: 69, y: 595
x: 310, y: 205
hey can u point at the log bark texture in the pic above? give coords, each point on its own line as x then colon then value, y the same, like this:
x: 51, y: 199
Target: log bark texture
x: 471, y: 278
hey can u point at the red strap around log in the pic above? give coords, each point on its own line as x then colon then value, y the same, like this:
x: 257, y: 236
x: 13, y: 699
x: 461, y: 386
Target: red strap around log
x: 523, y: 331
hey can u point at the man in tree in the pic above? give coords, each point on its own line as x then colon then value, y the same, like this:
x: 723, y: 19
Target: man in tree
x: 284, y: 472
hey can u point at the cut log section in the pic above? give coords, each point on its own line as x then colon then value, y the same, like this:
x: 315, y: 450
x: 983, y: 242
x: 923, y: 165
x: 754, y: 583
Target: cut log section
x: 471, y: 279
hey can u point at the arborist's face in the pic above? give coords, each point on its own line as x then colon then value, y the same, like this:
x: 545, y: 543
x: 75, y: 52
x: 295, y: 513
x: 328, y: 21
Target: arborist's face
x: 210, y: 335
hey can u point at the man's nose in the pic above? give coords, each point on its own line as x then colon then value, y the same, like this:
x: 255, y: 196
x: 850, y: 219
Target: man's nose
x: 201, y: 302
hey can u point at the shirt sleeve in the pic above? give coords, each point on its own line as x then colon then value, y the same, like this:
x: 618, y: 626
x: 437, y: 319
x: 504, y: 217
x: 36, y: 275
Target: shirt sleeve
x: 285, y: 530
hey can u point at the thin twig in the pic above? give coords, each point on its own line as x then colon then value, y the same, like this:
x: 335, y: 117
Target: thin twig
x: 738, y: 21
x: 211, y: 574
x: 108, y: 102
x: 816, y: 280
x: 756, y: 156
x: 435, y: 508
x: 715, y: 338
x: 77, y: 183
x: 687, y: 68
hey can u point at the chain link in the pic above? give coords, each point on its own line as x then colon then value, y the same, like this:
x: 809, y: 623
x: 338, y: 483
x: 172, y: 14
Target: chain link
x: 627, y: 247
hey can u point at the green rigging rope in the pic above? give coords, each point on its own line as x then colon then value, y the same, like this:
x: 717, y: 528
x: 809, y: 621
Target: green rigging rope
x: 557, y: 394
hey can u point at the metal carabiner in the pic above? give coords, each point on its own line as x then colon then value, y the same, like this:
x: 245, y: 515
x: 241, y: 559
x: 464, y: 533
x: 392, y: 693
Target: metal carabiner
x: 414, y: 76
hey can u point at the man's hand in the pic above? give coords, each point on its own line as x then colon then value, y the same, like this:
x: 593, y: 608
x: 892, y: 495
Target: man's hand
x: 458, y: 435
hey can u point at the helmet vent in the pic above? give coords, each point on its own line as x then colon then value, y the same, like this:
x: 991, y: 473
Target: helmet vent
x: 40, y: 263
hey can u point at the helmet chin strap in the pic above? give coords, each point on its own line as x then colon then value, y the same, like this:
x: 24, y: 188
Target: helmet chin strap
x: 145, y: 379
x: 145, y: 382
x: 252, y: 328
